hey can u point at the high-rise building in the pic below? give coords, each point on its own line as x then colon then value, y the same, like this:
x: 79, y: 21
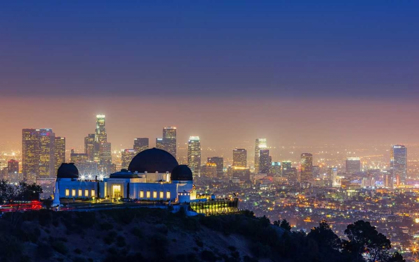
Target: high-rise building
x: 38, y: 154
x: 264, y: 161
x: 59, y: 152
x: 12, y: 166
x: 46, y: 153
x: 353, y: 165
x: 89, y: 147
x: 275, y: 169
x: 260, y: 144
x: 398, y: 163
x: 126, y: 156
x: 86, y: 167
x: 78, y: 157
x: 159, y: 143
x: 194, y: 155
x: 388, y: 179
x: 140, y: 144
x: 209, y: 170
x: 30, y: 154
x: 316, y: 172
x: 240, y: 158
x: 306, y: 167
x: 101, y: 135
x: 219, y: 162
x: 169, y: 140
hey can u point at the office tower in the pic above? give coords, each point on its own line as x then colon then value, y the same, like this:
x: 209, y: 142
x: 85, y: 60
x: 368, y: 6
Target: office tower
x: 169, y: 140
x: 12, y: 166
x: 398, y: 163
x: 388, y: 179
x: 219, y: 162
x: 194, y: 155
x: 240, y: 158
x: 275, y: 169
x: 260, y: 144
x: 89, y: 147
x: 126, y: 156
x: 46, y: 153
x: 159, y: 143
x: 140, y: 144
x: 86, y: 167
x: 59, y: 152
x: 30, y: 154
x: 78, y: 157
x: 264, y: 161
x: 209, y: 170
x: 306, y: 167
x: 353, y: 165
x: 101, y: 135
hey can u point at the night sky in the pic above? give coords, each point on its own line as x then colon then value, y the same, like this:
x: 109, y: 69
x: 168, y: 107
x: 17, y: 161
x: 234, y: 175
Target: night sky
x: 293, y: 71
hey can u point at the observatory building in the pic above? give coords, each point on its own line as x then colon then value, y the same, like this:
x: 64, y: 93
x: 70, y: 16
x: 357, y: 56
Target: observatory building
x: 152, y: 175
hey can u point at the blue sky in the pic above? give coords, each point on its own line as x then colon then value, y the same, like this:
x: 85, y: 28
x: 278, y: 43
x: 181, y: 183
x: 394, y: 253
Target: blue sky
x: 310, y: 49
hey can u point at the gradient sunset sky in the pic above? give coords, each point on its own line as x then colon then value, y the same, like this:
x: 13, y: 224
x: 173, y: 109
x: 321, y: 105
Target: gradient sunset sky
x: 301, y: 71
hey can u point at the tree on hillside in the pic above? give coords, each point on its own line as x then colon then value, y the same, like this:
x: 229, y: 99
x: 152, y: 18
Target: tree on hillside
x: 23, y: 191
x: 365, y: 241
x: 325, y: 237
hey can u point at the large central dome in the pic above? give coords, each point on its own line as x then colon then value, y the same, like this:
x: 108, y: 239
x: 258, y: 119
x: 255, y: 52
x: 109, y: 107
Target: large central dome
x: 153, y: 160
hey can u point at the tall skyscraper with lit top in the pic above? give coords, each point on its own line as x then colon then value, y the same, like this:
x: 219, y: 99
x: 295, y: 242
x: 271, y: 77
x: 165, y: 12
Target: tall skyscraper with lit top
x: 398, y: 163
x: 306, y: 174
x: 219, y: 162
x: 260, y: 144
x: 194, y: 155
x: 169, y: 140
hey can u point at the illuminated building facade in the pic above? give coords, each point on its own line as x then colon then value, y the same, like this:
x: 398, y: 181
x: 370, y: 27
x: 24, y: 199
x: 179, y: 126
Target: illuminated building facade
x: 306, y: 162
x: 353, y: 165
x: 89, y: 147
x: 264, y: 161
x: 140, y: 144
x: 260, y: 144
x: 159, y: 143
x: 275, y: 169
x: 194, y: 155
x: 209, y: 170
x: 30, y: 154
x: 46, y: 153
x: 59, y: 152
x: 169, y: 140
x: 152, y: 175
x: 240, y: 158
x: 126, y: 157
x: 398, y: 163
x: 219, y: 162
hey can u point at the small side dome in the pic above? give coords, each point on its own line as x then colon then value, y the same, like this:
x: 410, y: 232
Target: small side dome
x: 182, y: 172
x: 68, y: 170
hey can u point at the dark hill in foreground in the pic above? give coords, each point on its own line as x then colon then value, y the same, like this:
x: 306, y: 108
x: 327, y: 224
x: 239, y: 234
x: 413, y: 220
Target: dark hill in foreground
x: 155, y: 235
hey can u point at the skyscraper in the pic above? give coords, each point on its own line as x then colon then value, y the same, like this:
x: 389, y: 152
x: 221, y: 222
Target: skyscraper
x: 306, y: 167
x: 140, y: 144
x: 30, y: 154
x: 194, y: 155
x: 275, y: 169
x: 89, y: 147
x: 46, y: 153
x: 259, y: 145
x: 286, y: 170
x: 12, y: 166
x: 398, y: 163
x: 59, y: 152
x: 219, y: 162
x: 240, y: 158
x: 353, y: 165
x: 39, y: 153
x: 169, y: 140
x: 126, y: 156
x: 264, y: 161
x: 159, y: 143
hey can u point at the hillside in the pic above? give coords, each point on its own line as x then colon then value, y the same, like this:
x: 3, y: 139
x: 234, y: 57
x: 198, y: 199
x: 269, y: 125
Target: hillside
x: 153, y: 235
